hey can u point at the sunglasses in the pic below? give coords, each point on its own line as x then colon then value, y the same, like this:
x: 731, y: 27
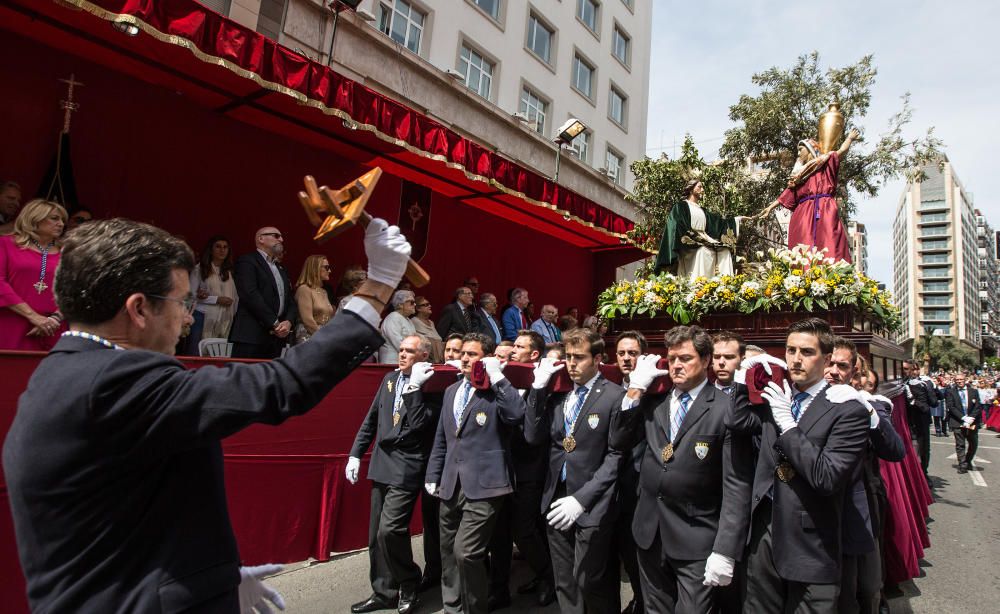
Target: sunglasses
x: 423, y: 304
x: 276, y: 235
x: 326, y: 267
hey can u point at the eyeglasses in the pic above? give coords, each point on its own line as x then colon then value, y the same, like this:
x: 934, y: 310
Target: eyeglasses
x: 276, y: 235
x: 423, y: 304
x: 187, y: 302
x: 326, y: 267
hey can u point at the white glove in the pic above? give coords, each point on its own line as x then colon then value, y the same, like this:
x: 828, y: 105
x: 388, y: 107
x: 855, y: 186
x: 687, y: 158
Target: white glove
x: 255, y: 594
x: 763, y: 359
x: 645, y: 372
x: 544, y: 372
x: 388, y: 252
x: 420, y: 373
x: 878, y: 397
x: 718, y: 570
x: 493, y: 369
x: 563, y: 513
x: 351, y: 471
x: 842, y: 393
x: 780, y: 401
x: 968, y: 421
x: 454, y: 363
x: 866, y: 398
x: 431, y: 488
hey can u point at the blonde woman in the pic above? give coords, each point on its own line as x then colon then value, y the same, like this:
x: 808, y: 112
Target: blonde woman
x: 424, y: 326
x: 30, y: 319
x: 314, y: 305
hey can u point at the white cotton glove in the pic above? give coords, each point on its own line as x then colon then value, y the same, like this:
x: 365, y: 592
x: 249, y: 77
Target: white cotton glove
x: 420, y: 373
x: 454, y: 363
x: 388, y: 252
x: 563, y: 513
x: 866, y: 399
x: 780, y: 401
x: 645, y: 372
x: 431, y: 488
x: 763, y: 359
x: 878, y: 397
x: 493, y: 369
x: 719, y: 570
x: 254, y: 594
x: 544, y: 372
x: 842, y: 393
x: 351, y: 471
x: 968, y: 421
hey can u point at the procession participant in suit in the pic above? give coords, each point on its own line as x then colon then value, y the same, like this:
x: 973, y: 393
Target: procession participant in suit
x: 811, y: 447
x: 629, y: 346
x: 486, y: 312
x: 471, y: 470
x: 263, y: 317
x: 919, y: 401
x: 396, y: 423
x: 861, y: 567
x: 691, y: 523
x: 579, y: 500
x: 965, y: 416
x: 453, y: 348
x: 459, y: 315
x: 113, y: 463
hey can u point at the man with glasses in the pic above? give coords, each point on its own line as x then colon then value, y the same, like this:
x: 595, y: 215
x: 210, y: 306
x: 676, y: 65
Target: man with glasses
x: 263, y: 318
x: 487, y: 323
x: 459, y: 316
x: 546, y: 325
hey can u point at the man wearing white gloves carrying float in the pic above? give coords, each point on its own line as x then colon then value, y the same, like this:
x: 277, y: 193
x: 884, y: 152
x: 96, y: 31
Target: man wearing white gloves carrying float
x: 813, y: 438
x: 471, y: 469
x: 579, y: 499
x: 691, y: 522
x: 113, y: 462
x: 397, y: 423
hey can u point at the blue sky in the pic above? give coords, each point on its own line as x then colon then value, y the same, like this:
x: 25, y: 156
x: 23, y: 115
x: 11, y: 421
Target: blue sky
x: 943, y: 53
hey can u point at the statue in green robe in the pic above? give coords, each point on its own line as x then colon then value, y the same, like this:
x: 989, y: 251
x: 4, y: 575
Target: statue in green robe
x: 698, y: 242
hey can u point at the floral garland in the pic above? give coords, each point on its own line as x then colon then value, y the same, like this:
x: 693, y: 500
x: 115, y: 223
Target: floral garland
x: 798, y: 278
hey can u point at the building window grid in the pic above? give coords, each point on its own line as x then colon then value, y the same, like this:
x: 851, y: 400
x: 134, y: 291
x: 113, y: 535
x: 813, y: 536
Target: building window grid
x: 490, y: 7
x: 587, y: 11
x: 581, y: 145
x: 583, y: 76
x: 617, y: 106
x: 477, y: 70
x: 621, y: 46
x: 402, y: 23
x: 540, y: 38
x: 614, y: 162
x: 535, y: 108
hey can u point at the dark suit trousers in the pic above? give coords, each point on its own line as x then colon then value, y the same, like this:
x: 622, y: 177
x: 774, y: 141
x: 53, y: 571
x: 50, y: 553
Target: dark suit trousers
x: 963, y: 437
x: 389, y: 552
x: 501, y: 548
x: 922, y: 436
x: 861, y: 583
x: 629, y: 498
x: 769, y: 592
x: 466, y: 529
x: 429, y: 508
x: 521, y: 523
x: 672, y: 585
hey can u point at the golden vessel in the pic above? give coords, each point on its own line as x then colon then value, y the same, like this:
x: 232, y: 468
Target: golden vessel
x: 831, y: 128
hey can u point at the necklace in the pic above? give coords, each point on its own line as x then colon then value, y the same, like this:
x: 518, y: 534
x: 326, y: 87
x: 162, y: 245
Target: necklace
x: 92, y: 337
x: 40, y: 285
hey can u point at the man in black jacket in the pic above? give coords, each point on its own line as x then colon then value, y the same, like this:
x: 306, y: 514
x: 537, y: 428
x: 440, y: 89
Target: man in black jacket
x: 397, y: 423
x: 263, y: 317
x: 919, y: 400
x: 459, y: 316
x: 965, y: 416
x: 113, y: 461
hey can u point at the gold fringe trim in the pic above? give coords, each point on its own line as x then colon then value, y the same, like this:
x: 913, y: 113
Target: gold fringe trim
x: 316, y: 104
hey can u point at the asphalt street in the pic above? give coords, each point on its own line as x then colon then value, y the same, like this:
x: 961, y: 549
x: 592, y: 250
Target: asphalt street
x: 960, y: 573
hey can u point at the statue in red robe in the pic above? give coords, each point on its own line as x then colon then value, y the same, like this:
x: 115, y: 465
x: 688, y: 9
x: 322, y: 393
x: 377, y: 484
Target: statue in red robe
x: 811, y: 196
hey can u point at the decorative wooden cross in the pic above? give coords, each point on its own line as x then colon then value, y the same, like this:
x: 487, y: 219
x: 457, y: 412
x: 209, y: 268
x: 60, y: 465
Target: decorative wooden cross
x: 69, y: 105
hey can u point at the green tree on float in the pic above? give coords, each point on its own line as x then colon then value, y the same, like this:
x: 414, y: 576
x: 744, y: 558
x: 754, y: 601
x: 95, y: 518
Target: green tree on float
x: 768, y: 128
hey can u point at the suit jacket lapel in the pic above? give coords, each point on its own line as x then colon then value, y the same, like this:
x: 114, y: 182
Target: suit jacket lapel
x: 661, y: 414
x: 698, y: 408
x: 818, y: 408
x: 474, y: 401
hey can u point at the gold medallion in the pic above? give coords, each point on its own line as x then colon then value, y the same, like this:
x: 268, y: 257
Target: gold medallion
x: 388, y: 385
x: 395, y: 419
x: 569, y: 443
x: 668, y: 452
x: 785, y: 471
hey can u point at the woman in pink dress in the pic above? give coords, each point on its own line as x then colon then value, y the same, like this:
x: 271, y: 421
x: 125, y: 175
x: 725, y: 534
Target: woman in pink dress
x: 811, y: 195
x: 29, y: 318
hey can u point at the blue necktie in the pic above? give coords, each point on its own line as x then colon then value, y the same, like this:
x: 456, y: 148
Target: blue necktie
x: 401, y: 382
x: 464, y: 400
x: 678, y: 420
x: 797, y: 404
x: 965, y: 403
x: 570, y: 418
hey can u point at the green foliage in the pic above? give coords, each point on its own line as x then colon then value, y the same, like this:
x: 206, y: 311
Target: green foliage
x: 993, y: 362
x: 945, y: 354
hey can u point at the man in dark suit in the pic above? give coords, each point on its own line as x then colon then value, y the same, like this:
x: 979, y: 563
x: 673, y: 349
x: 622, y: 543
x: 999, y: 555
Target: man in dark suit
x: 458, y: 316
x: 113, y: 461
x: 488, y: 324
x: 579, y: 498
x: 811, y: 447
x: 471, y: 470
x: 396, y: 423
x: 263, y: 318
x: 965, y: 417
x: 694, y: 485
x: 919, y: 401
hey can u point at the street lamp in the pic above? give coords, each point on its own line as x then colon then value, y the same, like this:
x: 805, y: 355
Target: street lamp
x: 564, y: 136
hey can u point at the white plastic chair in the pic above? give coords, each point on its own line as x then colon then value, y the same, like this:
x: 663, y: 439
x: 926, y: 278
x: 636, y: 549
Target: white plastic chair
x: 215, y: 347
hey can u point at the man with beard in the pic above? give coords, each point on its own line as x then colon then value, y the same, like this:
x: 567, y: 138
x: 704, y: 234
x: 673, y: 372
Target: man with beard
x: 263, y: 318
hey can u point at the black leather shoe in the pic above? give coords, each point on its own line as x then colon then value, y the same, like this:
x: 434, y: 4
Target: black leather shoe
x: 408, y: 603
x: 546, y: 593
x: 498, y: 602
x: 427, y: 583
x: 529, y: 587
x: 962, y: 469
x: 372, y: 604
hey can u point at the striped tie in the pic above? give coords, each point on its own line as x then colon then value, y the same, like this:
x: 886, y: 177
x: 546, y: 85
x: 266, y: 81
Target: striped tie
x: 797, y: 404
x: 682, y: 411
x: 464, y: 400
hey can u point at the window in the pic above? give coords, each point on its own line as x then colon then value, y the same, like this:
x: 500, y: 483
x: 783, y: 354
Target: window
x: 945, y: 330
x: 402, y: 23
x: 933, y: 231
x: 583, y: 76
x: 540, y: 39
x: 937, y: 300
x: 269, y: 18
x: 586, y: 11
x: 492, y: 7
x: 933, y: 217
x: 581, y: 145
x: 935, y: 286
x: 621, y: 46
x: 219, y: 6
x: 617, y: 107
x: 478, y: 72
x: 935, y: 244
x: 936, y: 272
x: 937, y: 314
x: 935, y: 259
x: 615, y: 163
x: 535, y: 108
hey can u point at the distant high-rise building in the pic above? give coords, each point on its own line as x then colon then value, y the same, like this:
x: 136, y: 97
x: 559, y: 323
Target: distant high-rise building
x: 989, y: 285
x: 935, y: 259
x: 857, y: 239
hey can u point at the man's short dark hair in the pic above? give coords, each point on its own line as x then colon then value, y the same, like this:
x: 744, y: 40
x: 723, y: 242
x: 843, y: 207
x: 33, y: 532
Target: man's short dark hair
x: 452, y: 336
x: 536, y: 341
x: 506, y: 343
x: 724, y: 335
x: 459, y: 291
x: 873, y: 374
x: 817, y: 328
x: 106, y: 261
x: 486, y: 342
x: 584, y: 336
x: 700, y: 339
x: 841, y: 343
x: 633, y: 334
